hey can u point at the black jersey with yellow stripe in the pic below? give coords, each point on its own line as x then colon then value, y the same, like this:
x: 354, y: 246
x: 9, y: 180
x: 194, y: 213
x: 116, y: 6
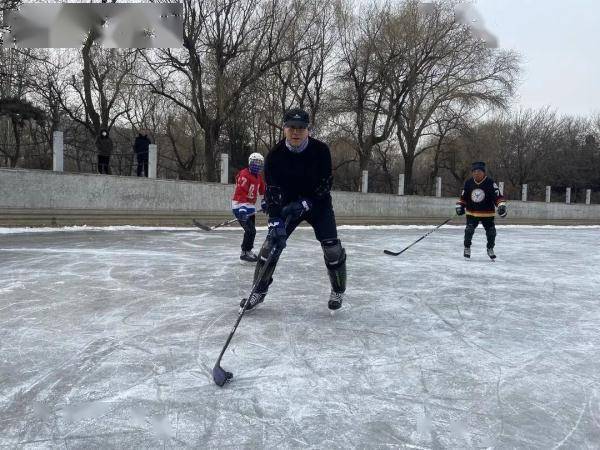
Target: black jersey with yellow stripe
x: 481, y: 199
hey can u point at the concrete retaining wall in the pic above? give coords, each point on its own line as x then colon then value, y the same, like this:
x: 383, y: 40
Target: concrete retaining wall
x: 36, y: 197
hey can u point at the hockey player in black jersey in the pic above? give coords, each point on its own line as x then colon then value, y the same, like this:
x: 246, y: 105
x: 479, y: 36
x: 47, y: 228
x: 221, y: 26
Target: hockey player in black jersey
x: 298, y: 176
x: 479, y: 199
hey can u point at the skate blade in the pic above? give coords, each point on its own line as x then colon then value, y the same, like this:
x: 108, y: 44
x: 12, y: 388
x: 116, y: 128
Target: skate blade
x: 334, y: 312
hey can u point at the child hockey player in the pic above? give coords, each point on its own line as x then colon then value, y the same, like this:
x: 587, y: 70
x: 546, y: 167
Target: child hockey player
x: 249, y: 185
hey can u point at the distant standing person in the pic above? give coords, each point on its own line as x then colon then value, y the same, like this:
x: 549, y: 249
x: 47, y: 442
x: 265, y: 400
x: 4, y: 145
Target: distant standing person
x: 249, y: 184
x: 141, y: 147
x: 104, y: 145
x: 479, y: 198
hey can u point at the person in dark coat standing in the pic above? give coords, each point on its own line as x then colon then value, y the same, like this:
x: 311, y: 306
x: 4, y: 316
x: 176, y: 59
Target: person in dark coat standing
x: 141, y: 147
x: 104, y: 145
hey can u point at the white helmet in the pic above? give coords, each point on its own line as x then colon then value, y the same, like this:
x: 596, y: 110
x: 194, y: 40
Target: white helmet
x: 256, y: 158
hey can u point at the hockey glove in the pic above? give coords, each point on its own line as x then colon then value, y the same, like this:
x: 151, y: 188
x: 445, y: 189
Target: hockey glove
x: 277, y: 234
x: 460, y: 210
x: 502, y: 210
x: 295, y: 210
x: 241, y: 214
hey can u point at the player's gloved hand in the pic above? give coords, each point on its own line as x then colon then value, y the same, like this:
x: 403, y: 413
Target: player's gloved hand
x: 241, y: 213
x: 263, y: 205
x: 502, y: 210
x: 277, y: 234
x: 295, y: 210
x: 460, y: 210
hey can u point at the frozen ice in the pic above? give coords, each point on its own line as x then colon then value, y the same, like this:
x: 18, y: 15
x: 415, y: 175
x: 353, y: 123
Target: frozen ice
x: 108, y: 337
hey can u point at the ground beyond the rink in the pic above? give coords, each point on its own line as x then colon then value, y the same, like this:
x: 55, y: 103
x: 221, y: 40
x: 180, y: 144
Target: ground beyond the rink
x: 108, y: 337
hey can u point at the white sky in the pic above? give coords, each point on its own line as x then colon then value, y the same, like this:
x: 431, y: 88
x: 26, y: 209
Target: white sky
x: 559, y: 42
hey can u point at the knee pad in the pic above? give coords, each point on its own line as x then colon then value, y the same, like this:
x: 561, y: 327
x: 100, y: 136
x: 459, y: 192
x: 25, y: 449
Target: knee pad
x: 335, y: 260
x: 334, y: 253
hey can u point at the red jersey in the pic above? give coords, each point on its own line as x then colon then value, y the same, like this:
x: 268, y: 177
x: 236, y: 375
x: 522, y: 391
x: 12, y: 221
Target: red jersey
x: 247, y: 189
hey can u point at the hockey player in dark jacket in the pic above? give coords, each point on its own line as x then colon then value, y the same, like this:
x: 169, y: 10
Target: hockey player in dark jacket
x: 298, y: 176
x: 479, y: 199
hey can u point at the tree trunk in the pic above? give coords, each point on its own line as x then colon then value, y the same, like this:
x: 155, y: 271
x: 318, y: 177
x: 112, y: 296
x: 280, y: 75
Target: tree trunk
x: 409, y: 161
x: 14, y: 158
x: 211, y: 134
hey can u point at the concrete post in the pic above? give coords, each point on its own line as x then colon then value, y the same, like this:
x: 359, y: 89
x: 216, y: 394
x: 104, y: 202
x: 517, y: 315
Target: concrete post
x: 57, y: 151
x: 588, y: 196
x: 524, y: 193
x: 548, y: 193
x: 438, y: 186
x: 401, y: 184
x: 224, y: 168
x: 501, y: 187
x: 152, y: 161
x: 568, y: 195
x: 365, y: 181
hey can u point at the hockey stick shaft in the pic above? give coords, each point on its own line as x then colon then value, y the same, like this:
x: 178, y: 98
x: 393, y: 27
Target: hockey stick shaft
x: 388, y: 252
x: 261, y: 274
x: 222, y: 224
x: 220, y: 376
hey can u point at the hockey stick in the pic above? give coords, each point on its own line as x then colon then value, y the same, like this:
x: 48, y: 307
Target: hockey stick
x: 207, y: 228
x: 389, y: 252
x: 220, y: 375
x: 222, y: 224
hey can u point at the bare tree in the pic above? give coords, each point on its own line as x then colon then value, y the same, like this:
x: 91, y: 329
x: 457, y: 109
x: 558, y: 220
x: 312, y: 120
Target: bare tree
x: 229, y: 45
x: 183, y: 133
x: 524, y: 140
x: 302, y: 78
x: 17, y: 68
x: 95, y: 103
x: 446, y: 121
x: 445, y: 65
x: 365, y: 69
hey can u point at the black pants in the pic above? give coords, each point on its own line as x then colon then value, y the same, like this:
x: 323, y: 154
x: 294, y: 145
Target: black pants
x: 323, y: 223
x: 104, y: 164
x: 488, y: 225
x: 142, y: 164
x: 249, y: 226
x: 322, y: 220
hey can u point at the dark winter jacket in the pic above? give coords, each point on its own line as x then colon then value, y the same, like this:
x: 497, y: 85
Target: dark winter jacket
x: 291, y: 176
x: 480, y: 199
x: 104, y: 145
x: 141, y: 145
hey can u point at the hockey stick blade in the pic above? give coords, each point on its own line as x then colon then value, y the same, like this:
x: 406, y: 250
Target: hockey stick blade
x: 220, y: 375
x: 201, y: 225
x: 389, y: 252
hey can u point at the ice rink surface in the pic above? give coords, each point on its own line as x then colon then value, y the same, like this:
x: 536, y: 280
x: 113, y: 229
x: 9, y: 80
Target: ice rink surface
x: 108, y: 338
